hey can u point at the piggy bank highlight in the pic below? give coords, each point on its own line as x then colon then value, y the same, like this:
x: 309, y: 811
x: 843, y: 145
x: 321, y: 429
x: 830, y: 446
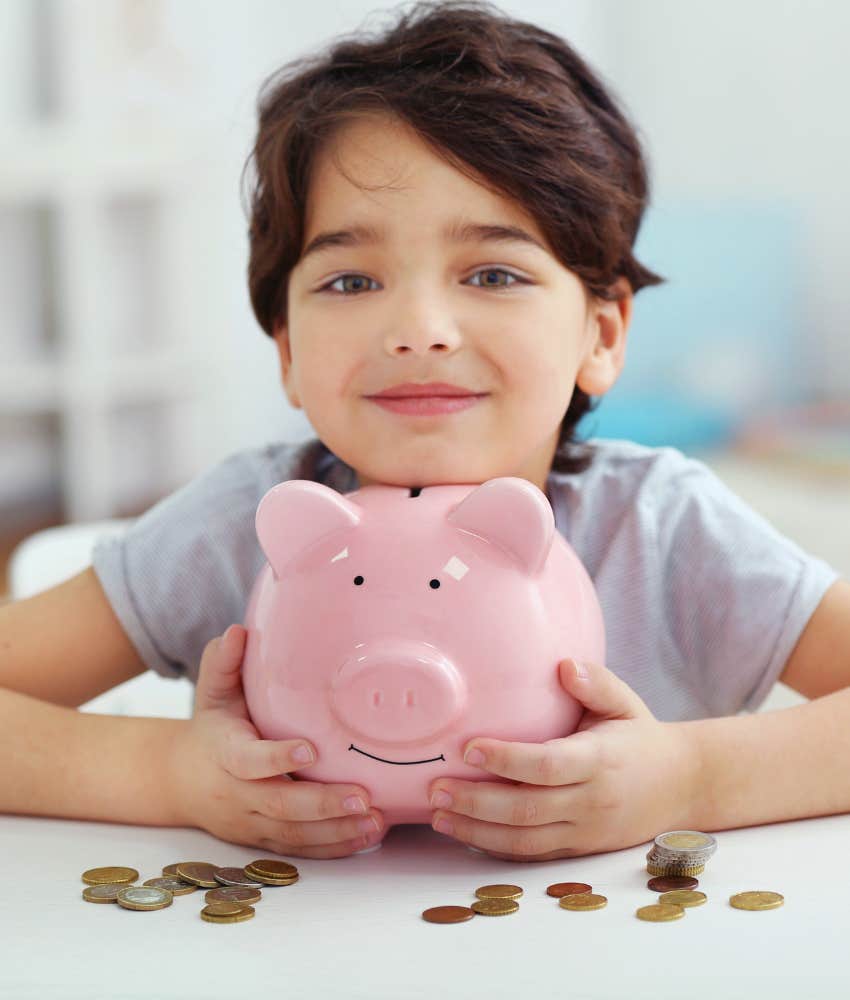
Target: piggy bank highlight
x: 392, y: 625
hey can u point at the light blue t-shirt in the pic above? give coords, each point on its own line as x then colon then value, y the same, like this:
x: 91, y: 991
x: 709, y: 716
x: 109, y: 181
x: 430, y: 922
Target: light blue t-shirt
x: 703, y: 599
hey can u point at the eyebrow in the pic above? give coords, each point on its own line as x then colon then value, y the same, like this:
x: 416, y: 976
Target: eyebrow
x: 455, y: 232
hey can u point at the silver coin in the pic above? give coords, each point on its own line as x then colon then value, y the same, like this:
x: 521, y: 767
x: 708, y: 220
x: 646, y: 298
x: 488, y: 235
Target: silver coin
x: 144, y: 894
x: 106, y: 890
x: 235, y: 876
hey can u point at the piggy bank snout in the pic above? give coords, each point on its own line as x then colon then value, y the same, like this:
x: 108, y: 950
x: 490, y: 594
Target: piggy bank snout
x: 399, y: 692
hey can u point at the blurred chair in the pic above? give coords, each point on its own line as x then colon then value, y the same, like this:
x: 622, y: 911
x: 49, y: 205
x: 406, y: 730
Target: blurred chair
x: 53, y: 555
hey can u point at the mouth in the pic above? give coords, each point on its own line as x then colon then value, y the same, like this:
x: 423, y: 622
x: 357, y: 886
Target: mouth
x: 422, y: 406
x: 383, y: 760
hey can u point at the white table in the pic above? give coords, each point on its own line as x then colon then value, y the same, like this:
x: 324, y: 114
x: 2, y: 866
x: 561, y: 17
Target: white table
x: 352, y: 928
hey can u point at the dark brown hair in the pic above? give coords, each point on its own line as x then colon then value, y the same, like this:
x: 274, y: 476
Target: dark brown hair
x: 498, y: 99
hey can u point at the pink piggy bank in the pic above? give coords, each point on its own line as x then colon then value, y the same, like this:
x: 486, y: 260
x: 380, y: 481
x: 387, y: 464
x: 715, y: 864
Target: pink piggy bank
x: 392, y: 625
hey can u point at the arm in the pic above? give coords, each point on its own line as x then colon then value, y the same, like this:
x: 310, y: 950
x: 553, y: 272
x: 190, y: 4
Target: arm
x: 791, y: 763
x: 59, y: 649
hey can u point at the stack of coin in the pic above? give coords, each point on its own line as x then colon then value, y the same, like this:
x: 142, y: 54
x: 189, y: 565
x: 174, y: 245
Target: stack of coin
x: 680, y: 852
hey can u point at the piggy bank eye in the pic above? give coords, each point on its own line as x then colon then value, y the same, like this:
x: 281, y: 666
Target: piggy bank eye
x: 434, y: 584
x: 358, y: 580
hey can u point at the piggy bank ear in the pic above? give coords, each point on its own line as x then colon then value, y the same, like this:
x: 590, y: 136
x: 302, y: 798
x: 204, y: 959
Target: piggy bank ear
x: 512, y: 513
x: 296, y: 514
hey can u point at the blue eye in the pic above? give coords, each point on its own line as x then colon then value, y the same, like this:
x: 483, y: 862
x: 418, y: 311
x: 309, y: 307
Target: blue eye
x: 484, y: 270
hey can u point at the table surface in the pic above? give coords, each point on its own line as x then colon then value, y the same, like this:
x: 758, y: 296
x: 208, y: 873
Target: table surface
x: 352, y: 927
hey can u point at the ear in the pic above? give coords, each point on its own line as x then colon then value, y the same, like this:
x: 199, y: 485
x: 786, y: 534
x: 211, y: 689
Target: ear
x: 605, y: 352
x: 281, y: 339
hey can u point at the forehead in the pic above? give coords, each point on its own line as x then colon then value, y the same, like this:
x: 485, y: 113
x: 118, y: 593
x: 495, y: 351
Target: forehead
x: 377, y: 169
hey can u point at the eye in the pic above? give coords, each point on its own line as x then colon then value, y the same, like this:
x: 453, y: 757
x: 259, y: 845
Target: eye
x: 358, y: 580
x: 362, y: 277
x: 434, y: 584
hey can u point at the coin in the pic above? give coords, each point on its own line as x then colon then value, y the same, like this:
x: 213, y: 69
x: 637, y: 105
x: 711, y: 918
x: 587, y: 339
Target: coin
x: 686, y: 840
x: 104, y: 892
x: 99, y: 876
x: 495, y: 907
x: 757, y: 900
x: 233, y: 894
x: 171, y: 870
x: 234, y: 876
x: 659, y: 912
x: 268, y: 879
x: 272, y: 868
x: 583, y: 901
x: 176, y: 886
x: 559, y: 889
x: 448, y: 914
x: 683, y: 897
x: 214, y: 915
x: 136, y: 897
x: 498, y: 892
x: 198, y: 873
x: 664, y: 883
x: 665, y: 870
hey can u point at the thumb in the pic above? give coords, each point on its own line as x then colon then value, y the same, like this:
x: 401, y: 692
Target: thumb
x: 219, y: 682
x: 601, y: 691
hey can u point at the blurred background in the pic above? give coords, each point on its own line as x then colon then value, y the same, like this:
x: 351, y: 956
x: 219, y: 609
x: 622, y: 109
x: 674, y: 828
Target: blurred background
x: 130, y: 360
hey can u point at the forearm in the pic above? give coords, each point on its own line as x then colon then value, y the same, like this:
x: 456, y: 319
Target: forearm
x: 772, y: 766
x: 58, y: 761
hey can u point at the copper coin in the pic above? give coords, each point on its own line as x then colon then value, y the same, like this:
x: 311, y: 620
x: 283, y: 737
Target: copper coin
x: 666, y: 883
x: 235, y: 876
x: 233, y: 894
x: 568, y: 889
x: 272, y: 868
x: 200, y: 873
x: 447, y: 914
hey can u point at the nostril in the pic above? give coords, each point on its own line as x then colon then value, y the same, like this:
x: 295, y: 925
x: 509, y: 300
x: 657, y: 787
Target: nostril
x: 408, y: 699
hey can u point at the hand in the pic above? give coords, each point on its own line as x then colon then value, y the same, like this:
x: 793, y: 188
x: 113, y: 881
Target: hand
x: 621, y: 779
x: 235, y: 785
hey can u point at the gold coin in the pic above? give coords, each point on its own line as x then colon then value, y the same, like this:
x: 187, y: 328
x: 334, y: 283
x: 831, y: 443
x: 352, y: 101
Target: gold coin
x: 268, y: 879
x: 685, y: 840
x: 659, y: 912
x: 105, y: 892
x: 498, y: 892
x: 176, y: 886
x: 99, y: 876
x: 757, y: 900
x: 676, y: 870
x: 137, y: 897
x: 233, y: 894
x: 198, y: 873
x: 683, y: 897
x: 233, y: 916
x: 495, y: 907
x: 583, y: 901
x: 272, y: 868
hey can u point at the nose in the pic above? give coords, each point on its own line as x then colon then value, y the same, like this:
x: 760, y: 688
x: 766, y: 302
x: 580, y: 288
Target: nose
x: 398, y: 691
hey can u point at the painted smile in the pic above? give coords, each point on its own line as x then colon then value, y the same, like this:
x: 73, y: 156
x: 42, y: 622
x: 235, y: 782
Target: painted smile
x: 385, y: 761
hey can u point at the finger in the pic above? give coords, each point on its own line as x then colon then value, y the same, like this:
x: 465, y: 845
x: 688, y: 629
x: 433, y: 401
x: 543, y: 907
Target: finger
x: 220, y: 673
x: 514, y: 805
x: 245, y: 756
x: 565, y: 761
x: 527, y: 843
x: 313, y: 813
x: 602, y: 691
x: 266, y: 834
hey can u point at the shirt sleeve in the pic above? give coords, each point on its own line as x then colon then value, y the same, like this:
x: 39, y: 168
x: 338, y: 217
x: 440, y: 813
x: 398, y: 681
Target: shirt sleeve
x: 737, y: 592
x: 182, y: 571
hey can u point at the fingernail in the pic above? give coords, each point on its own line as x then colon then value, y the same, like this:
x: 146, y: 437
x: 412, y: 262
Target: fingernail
x: 441, y: 799
x: 354, y: 804
x: 443, y: 826
x: 303, y: 754
x: 370, y: 825
x: 581, y: 669
x: 474, y: 757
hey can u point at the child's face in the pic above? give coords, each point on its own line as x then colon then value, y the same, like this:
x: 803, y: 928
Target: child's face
x: 415, y: 308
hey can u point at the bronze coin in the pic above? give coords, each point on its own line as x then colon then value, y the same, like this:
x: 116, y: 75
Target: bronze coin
x: 233, y: 894
x: 559, y: 889
x: 272, y: 868
x: 495, y: 907
x: 666, y: 883
x: 198, y: 873
x: 447, y: 914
